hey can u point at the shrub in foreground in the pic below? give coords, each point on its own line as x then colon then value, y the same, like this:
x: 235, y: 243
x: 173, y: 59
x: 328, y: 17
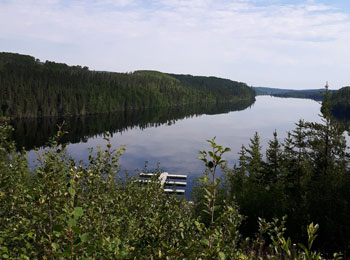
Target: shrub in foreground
x: 67, y: 210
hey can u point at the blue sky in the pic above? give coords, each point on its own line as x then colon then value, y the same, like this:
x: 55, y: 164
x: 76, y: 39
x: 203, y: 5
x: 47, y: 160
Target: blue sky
x: 274, y: 43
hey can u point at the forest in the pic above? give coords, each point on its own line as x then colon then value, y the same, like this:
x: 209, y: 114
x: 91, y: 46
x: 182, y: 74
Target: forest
x: 340, y: 104
x: 309, y: 94
x: 315, y: 94
x: 292, y: 203
x: 31, y: 88
x: 305, y: 177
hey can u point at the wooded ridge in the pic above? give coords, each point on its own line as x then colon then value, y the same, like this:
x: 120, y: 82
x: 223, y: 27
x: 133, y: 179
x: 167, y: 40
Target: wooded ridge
x: 31, y: 88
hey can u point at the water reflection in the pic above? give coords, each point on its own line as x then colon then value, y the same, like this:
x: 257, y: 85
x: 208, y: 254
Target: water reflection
x: 161, y: 137
x: 35, y: 132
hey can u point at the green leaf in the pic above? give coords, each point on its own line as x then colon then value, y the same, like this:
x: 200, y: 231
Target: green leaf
x: 55, y: 246
x: 208, y: 192
x: 217, y: 207
x: 205, y: 241
x: 77, y: 241
x: 222, y: 256
x: 78, y: 212
x: 72, y: 222
x: 206, y: 211
x: 4, y: 249
x: 84, y: 237
x: 57, y: 228
x: 71, y: 191
x: 198, y: 225
x: 303, y: 247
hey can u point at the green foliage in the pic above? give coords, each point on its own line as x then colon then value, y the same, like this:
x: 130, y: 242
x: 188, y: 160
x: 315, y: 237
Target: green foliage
x: 14, y: 192
x: 273, y: 160
x: 66, y: 210
x: 30, y: 88
x: 309, y: 94
x: 305, y: 177
x: 340, y: 105
x: 156, y: 74
x: 212, y: 159
x: 254, y: 158
x: 282, y: 247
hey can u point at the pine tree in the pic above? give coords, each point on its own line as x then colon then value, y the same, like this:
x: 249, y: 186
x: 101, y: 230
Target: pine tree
x: 254, y: 159
x: 327, y: 142
x: 243, y: 160
x: 273, y: 160
x: 324, y: 196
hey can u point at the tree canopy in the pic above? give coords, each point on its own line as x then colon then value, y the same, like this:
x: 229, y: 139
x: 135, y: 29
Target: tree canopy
x: 31, y: 88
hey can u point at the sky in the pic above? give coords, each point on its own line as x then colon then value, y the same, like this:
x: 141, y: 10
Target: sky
x: 297, y: 44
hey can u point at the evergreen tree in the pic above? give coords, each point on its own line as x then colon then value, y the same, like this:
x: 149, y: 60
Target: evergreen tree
x: 324, y: 195
x: 254, y: 159
x: 327, y: 142
x: 273, y: 160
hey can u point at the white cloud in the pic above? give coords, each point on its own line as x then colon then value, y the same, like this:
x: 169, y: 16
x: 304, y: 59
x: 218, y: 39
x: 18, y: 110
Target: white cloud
x: 272, y: 44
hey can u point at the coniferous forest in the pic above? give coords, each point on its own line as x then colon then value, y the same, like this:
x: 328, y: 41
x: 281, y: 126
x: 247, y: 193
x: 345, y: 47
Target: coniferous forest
x: 31, y: 88
x: 340, y: 104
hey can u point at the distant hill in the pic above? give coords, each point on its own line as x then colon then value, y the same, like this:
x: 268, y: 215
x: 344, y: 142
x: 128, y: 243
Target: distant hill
x: 31, y: 88
x: 315, y: 94
x: 270, y: 91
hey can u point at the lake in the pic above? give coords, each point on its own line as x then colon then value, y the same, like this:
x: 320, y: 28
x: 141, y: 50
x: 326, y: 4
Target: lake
x: 172, y: 137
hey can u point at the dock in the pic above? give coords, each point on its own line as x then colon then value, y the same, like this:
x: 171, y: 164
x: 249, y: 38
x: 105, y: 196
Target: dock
x: 169, y: 182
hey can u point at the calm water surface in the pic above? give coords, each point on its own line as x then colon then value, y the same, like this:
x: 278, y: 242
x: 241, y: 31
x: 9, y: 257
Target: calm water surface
x: 174, y: 142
